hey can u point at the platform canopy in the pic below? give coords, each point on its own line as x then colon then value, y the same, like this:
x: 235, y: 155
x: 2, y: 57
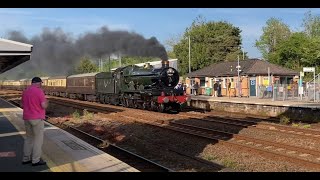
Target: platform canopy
x: 13, y: 53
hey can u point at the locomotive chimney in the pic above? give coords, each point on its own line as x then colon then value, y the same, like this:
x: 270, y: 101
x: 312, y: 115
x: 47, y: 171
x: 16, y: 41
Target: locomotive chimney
x: 165, y: 63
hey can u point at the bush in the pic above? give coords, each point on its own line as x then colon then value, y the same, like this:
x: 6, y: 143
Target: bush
x: 229, y: 163
x: 284, y: 120
x: 76, y: 115
x: 87, y: 114
x: 306, y: 126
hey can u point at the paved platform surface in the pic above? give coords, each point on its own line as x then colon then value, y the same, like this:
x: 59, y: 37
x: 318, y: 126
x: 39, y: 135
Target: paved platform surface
x: 62, y: 151
x: 253, y: 100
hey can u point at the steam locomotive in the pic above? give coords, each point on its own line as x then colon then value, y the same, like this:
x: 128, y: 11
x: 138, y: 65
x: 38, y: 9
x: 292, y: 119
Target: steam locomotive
x: 130, y: 86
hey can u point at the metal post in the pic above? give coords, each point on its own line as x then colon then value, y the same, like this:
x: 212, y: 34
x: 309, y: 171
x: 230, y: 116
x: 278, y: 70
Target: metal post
x: 268, y: 76
x: 99, y: 62
x: 314, y: 84
x: 238, y: 67
x: 273, y: 93
x: 109, y: 64
x: 189, y: 55
x: 242, y: 54
x: 120, y: 59
x: 300, y: 87
x: 318, y: 86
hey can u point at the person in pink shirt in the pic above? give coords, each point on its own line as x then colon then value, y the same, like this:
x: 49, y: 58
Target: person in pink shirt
x: 34, y: 103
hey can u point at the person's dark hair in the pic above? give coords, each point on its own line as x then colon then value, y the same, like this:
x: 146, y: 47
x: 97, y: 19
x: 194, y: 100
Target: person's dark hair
x: 36, y: 80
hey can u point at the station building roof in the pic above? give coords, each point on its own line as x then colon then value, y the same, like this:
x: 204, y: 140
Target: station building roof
x: 13, y: 53
x: 251, y: 67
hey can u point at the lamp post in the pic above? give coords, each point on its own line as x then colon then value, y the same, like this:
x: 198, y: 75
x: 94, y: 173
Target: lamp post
x: 238, y: 69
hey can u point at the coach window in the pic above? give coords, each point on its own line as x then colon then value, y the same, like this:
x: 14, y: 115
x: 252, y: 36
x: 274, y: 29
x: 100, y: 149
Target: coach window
x: 202, y: 81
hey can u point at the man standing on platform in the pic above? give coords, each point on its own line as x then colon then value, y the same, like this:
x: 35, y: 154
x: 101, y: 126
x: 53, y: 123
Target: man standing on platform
x: 34, y: 103
x: 215, y: 89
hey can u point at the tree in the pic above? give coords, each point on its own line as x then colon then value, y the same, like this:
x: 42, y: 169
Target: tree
x: 211, y: 42
x: 290, y: 52
x: 86, y: 66
x: 311, y: 25
x: 297, y: 52
x: 170, y: 43
x: 274, y: 33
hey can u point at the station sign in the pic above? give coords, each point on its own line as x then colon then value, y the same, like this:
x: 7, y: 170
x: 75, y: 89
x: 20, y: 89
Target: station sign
x: 308, y: 69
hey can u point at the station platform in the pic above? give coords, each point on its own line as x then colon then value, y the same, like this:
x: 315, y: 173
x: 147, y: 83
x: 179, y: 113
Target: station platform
x: 62, y: 151
x: 257, y: 101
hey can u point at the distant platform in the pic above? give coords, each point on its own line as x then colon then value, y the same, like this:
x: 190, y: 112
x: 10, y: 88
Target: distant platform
x: 264, y: 108
x: 257, y: 101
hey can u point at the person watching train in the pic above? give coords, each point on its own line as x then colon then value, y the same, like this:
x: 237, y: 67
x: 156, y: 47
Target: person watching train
x: 34, y: 103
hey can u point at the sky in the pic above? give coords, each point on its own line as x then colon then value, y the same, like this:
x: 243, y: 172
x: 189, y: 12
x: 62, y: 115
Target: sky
x: 162, y: 23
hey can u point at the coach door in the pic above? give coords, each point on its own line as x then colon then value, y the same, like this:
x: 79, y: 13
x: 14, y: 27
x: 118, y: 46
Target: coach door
x: 253, y: 86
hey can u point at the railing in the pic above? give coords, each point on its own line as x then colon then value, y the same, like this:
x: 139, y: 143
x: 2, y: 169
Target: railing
x: 290, y: 92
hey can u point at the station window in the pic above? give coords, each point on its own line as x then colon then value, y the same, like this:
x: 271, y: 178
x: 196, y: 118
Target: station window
x: 202, y: 81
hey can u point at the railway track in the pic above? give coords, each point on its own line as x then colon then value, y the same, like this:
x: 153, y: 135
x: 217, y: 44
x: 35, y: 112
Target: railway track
x: 307, y: 133
x: 130, y: 158
x: 237, y: 122
x: 307, y: 157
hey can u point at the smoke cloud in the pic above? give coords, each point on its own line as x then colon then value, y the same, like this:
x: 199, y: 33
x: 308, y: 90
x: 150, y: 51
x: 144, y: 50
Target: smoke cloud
x: 56, y: 52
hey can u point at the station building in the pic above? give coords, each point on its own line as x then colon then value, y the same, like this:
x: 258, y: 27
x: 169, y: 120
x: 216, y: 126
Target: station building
x: 253, y: 74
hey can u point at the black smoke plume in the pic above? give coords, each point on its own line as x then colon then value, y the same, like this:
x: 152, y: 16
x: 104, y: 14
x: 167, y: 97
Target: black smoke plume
x: 56, y: 52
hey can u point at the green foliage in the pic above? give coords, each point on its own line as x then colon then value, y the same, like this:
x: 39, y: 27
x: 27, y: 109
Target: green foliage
x: 86, y: 66
x: 301, y: 125
x: 295, y: 125
x: 306, y: 126
x: 210, y: 42
x: 297, y: 52
x: 76, y: 114
x: 170, y: 43
x: 87, y: 114
x: 284, y: 120
x: 311, y: 25
x: 292, y: 50
x: 229, y: 163
x: 210, y: 157
x: 171, y: 55
x: 274, y: 33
